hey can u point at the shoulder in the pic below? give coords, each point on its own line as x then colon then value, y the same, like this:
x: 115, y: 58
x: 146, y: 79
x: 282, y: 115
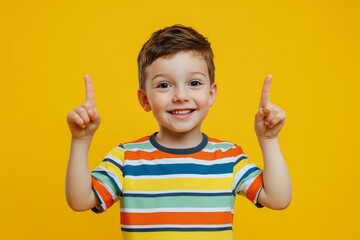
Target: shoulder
x: 223, y: 145
x: 217, y: 143
x: 119, y: 151
x: 140, y: 143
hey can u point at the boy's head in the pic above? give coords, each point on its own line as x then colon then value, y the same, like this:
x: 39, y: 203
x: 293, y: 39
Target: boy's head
x: 170, y: 41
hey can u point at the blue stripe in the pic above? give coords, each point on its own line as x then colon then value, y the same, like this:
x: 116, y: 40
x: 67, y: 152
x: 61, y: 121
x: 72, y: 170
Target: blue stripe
x: 248, y: 172
x: 113, y: 162
x: 94, y: 209
x: 176, y: 194
x: 240, y: 159
x: 180, y: 168
x: 175, y: 229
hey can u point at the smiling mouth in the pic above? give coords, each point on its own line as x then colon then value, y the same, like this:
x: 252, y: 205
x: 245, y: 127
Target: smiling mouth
x: 181, y: 112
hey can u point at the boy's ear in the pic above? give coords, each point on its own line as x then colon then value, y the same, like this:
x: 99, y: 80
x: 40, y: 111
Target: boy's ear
x: 213, y: 93
x: 143, y: 100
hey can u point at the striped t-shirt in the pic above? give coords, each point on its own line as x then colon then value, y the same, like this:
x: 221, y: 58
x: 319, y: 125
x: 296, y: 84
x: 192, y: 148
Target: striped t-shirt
x: 176, y: 193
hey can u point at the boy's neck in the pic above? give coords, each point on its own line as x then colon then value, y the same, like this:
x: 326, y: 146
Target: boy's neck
x: 179, y: 140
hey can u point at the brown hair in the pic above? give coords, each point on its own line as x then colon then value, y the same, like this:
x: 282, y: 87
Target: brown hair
x: 172, y: 40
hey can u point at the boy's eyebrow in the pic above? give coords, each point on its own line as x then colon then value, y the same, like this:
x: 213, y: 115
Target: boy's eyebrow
x: 160, y: 75
x: 167, y: 75
x: 201, y: 73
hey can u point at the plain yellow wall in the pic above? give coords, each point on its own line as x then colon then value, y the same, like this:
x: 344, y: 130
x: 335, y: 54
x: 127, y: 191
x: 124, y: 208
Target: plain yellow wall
x: 310, y: 47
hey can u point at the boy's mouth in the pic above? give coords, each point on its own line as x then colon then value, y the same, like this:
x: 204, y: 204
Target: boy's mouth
x: 181, y: 112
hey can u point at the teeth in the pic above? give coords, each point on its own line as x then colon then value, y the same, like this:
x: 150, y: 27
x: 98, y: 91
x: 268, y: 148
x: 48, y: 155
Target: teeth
x: 180, y: 112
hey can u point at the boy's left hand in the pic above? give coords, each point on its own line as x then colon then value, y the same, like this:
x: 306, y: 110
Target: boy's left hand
x: 270, y: 118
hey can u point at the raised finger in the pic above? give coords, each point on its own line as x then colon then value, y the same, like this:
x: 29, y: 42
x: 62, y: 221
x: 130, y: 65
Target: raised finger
x: 90, y: 96
x: 265, y: 94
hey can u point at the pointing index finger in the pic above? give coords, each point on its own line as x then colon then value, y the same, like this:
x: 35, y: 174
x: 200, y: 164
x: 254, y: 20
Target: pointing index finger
x: 90, y: 97
x: 265, y: 95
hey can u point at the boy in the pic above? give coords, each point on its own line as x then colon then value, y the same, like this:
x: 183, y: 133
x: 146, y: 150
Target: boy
x: 177, y: 183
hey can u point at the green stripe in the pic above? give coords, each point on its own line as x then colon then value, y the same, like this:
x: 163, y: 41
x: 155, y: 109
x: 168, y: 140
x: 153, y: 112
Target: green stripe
x: 178, y: 202
x: 224, y: 145
x: 104, y: 180
x: 143, y: 146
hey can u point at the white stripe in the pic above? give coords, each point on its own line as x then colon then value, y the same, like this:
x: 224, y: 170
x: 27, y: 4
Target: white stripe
x: 136, y: 143
x: 207, y: 150
x: 215, y: 148
x: 109, y: 156
x: 211, y: 146
x: 241, y: 156
x: 240, y: 173
x: 177, y: 191
x: 179, y: 160
x: 113, y: 175
x: 114, y: 196
x: 245, y: 186
x: 141, y: 149
x: 176, y: 226
x: 102, y: 203
x: 257, y: 196
x: 171, y: 176
x: 109, y: 190
x: 178, y: 209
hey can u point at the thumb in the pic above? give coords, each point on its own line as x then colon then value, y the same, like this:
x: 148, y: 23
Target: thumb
x: 260, y: 115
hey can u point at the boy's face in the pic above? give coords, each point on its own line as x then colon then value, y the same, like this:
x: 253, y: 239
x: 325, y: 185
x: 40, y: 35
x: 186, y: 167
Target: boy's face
x: 178, y: 92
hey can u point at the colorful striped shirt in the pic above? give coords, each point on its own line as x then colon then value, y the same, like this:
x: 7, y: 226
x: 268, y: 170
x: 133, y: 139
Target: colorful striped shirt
x: 175, y: 193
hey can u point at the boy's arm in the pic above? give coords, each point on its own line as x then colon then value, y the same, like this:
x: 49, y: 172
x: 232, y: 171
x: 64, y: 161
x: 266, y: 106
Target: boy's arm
x: 83, y: 122
x: 269, y: 120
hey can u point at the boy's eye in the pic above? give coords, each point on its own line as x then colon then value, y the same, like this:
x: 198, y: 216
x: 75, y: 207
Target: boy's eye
x: 163, y: 85
x: 195, y: 83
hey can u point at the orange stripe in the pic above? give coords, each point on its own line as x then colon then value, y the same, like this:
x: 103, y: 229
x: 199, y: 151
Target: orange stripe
x: 176, y: 218
x: 255, y: 187
x: 199, y: 155
x: 105, y: 195
x: 143, y: 139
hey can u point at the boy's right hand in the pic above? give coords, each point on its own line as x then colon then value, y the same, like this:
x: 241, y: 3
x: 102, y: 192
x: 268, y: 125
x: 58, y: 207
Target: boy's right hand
x: 84, y: 120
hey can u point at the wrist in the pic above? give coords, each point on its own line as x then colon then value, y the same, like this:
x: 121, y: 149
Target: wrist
x: 81, y: 141
x: 263, y: 140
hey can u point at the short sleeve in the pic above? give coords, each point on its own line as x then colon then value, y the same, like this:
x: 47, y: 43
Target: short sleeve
x: 107, y: 179
x: 248, y: 178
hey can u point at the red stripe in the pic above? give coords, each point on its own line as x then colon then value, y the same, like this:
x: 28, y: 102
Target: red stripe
x: 255, y: 187
x: 143, y: 139
x: 105, y: 195
x: 218, y: 154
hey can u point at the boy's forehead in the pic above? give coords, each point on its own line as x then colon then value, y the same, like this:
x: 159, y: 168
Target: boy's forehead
x: 185, y: 61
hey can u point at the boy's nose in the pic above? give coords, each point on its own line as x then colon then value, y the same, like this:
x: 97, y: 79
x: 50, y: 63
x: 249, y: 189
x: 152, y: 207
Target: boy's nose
x: 180, y: 95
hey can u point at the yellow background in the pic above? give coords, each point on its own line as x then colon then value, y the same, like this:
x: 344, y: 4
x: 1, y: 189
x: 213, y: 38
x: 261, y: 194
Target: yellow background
x: 310, y: 47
